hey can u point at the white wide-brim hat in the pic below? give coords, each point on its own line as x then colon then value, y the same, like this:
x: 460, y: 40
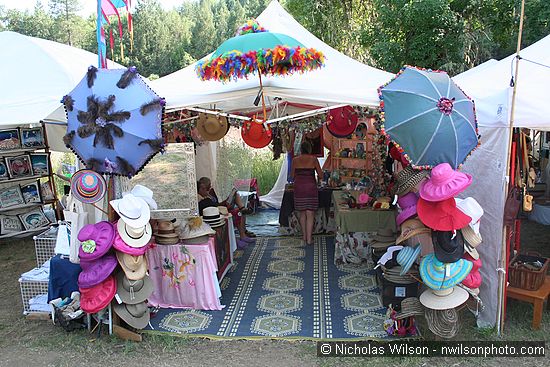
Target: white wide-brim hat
x: 195, y: 229
x: 471, y: 208
x: 146, y: 194
x: 132, y: 210
x: 134, y: 237
x: 444, y: 299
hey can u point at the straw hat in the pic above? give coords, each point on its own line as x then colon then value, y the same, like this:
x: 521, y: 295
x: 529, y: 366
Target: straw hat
x: 410, y: 306
x: 406, y: 258
x: 438, y: 275
x: 443, y: 323
x: 134, y: 236
x: 166, y: 233
x: 146, y: 194
x: 122, y: 246
x: 88, y: 186
x: 212, y: 127
x: 443, y: 299
x: 196, y: 231
x: 395, y: 275
x: 383, y: 237
x: 408, y: 178
x: 132, y: 210
x: 410, y: 228
x: 211, y: 216
x: 134, y: 267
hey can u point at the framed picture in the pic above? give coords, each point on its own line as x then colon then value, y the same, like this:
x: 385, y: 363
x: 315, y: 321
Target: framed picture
x: 32, y: 137
x: 10, y: 224
x: 39, y: 163
x: 34, y: 219
x: 46, y: 191
x: 11, y: 196
x: 19, y: 166
x: 31, y: 192
x: 9, y: 139
x: 4, y: 175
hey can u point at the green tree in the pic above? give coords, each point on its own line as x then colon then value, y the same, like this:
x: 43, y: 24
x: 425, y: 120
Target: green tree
x: 204, y: 31
x: 237, y: 16
x: 221, y: 21
x: 64, y: 14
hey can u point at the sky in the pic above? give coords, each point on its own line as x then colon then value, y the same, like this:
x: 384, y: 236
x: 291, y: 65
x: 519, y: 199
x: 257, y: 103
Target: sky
x: 88, y: 6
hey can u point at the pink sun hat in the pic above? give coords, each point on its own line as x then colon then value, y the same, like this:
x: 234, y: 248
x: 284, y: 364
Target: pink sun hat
x: 407, y: 203
x: 123, y: 247
x: 96, y: 240
x: 444, y: 183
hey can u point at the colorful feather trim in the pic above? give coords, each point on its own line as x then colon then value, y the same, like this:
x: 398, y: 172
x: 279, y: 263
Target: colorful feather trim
x: 280, y: 60
x: 251, y: 26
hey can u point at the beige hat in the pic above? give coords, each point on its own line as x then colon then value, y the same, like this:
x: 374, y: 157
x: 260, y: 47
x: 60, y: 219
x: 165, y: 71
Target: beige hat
x: 134, y: 237
x: 410, y: 306
x: 410, y: 228
x: 444, y: 299
x: 134, y: 267
x: 212, y: 127
x: 166, y: 233
x: 137, y: 316
x: 133, y: 291
x: 470, y: 236
x: 196, y: 231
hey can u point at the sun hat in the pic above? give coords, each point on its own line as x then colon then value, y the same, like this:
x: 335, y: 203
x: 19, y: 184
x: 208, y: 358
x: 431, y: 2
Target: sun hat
x: 471, y: 207
x: 96, y: 239
x: 223, y: 211
x: 212, y: 127
x: 388, y: 254
x: 448, y: 246
x: 441, y: 215
x: 134, y: 267
x: 408, y: 178
x: 394, y: 275
x: 443, y: 323
x: 95, y: 271
x: 133, y: 236
x: 166, y: 233
x: 342, y: 121
x: 133, y: 291
x: 96, y: 298
x: 444, y: 183
x: 410, y: 306
x: 88, y: 186
x: 406, y: 258
x: 133, y: 211
x: 122, y: 246
x: 196, y: 231
x: 137, y: 316
x: 255, y: 134
x: 476, y: 263
x: 211, y: 216
x: 468, y: 248
x: 443, y: 299
x: 438, y: 275
x: 410, y: 228
x: 145, y: 194
x: 407, y: 203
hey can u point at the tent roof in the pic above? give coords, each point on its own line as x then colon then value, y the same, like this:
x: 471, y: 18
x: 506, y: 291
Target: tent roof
x: 342, y: 80
x: 490, y: 88
x: 35, y: 74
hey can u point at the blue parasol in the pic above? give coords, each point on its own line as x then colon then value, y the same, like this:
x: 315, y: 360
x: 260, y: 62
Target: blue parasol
x: 429, y: 117
x: 114, y: 121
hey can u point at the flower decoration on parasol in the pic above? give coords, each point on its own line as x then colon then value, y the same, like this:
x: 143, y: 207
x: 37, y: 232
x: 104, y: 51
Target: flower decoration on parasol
x: 113, y: 121
x: 254, y: 49
x: 429, y: 118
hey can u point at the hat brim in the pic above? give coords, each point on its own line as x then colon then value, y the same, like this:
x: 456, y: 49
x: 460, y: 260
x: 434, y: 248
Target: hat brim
x: 217, y: 223
x: 410, y: 181
x: 411, y: 234
x: 432, y: 215
x: 139, y: 296
x: 470, y: 236
x: 76, y: 188
x: 197, y: 240
x: 222, y: 131
x: 430, y: 192
x: 96, y: 271
x: 135, y: 322
x: 93, y: 300
x: 472, y: 251
x: 408, y: 263
x: 262, y: 142
x: 435, y: 302
x: 142, y: 220
x: 166, y: 235
x: 134, y: 242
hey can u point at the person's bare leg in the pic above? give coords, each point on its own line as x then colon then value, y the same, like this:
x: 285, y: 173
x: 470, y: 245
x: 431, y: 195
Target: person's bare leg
x: 310, y: 220
x: 303, y: 224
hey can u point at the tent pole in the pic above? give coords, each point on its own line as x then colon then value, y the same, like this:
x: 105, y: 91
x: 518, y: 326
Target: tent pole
x: 262, y: 91
x: 503, y: 276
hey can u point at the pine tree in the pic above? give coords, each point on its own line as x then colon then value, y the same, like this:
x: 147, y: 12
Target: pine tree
x: 64, y: 13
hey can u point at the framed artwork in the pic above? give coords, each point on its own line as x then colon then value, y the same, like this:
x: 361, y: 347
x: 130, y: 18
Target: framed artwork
x: 4, y: 174
x: 34, y: 219
x: 19, y: 166
x: 39, y: 163
x: 31, y: 192
x: 11, y: 196
x: 32, y: 137
x: 10, y: 139
x: 46, y: 191
x: 10, y: 224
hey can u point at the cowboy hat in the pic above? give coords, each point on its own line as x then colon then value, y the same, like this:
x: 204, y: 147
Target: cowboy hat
x: 166, y: 233
x: 96, y: 271
x: 408, y: 178
x: 406, y: 258
x: 134, y: 267
x: 133, y: 291
x: 146, y: 194
x: 438, y: 275
x: 255, y: 134
x: 88, y: 186
x: 342, y: 121
x: 122, y: 246
x: 448, y: 246
x: 410, y: 228
x: 212, y: 127
x: 132, y: 236
x: 137, y: 316
x: 96, y: 239
x: 443, y: 299
x: 133, y: 211
x: 444, y: 183
x: 441, y: 215
x: 96, y: 298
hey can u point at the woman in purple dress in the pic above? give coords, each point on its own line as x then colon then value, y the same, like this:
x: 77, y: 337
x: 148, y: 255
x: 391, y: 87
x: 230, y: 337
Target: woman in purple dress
x: 306, y: 197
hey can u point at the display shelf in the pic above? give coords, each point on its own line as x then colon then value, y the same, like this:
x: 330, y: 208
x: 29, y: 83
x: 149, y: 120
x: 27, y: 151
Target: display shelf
x: 9, y: 235
x: 20, y: 150
x: 29, y: 178
x: 21, y: 206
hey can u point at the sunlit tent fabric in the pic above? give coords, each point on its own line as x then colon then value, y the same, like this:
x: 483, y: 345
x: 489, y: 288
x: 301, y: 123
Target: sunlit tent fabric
x: 489, y: 86
x: 34, y: 75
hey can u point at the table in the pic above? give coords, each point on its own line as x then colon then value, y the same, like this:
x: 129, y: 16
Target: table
x: 184, y: 276
x: 353, y: 227
x: 537, y: 298
x: 287, y: 205
x: 289, y: 221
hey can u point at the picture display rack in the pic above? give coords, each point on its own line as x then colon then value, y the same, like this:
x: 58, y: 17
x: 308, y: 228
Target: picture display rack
x: 24, y: 161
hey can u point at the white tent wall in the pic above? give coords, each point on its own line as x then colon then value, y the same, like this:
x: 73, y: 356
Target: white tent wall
x: 275, y: 196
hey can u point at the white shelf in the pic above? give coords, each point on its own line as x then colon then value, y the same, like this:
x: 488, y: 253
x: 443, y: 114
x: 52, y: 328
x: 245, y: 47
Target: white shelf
x: 23, y: 233
x: 21, y: 206
x: 29, y: 178
x: 20, y: 150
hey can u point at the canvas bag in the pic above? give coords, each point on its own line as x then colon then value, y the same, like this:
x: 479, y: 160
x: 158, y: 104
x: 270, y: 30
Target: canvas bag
x: 76, y: 218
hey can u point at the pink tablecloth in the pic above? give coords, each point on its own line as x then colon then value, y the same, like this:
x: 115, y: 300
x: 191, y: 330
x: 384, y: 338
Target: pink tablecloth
x: 184, y: 276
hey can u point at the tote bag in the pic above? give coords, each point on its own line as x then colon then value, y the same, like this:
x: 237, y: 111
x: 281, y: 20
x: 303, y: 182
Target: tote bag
x: 76, y: 218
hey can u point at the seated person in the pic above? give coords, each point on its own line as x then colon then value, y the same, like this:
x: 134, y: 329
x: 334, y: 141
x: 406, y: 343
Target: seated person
x: 207, y: 197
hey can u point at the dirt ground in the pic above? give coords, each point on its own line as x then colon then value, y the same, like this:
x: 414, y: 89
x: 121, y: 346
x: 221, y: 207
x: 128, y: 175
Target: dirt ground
x: 39, y: 343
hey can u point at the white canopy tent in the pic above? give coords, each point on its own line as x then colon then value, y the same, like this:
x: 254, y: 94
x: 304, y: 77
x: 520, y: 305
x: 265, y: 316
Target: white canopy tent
x: 489, y: 86
x: 34, y: 75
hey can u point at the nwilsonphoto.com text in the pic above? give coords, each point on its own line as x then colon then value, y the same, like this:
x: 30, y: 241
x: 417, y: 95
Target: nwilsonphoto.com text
x: 431, y: 349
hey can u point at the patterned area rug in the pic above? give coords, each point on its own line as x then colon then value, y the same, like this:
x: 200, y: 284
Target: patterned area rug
x: 280, y: 288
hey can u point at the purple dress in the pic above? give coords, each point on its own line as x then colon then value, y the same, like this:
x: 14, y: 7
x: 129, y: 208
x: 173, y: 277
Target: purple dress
x: 306, y: 196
